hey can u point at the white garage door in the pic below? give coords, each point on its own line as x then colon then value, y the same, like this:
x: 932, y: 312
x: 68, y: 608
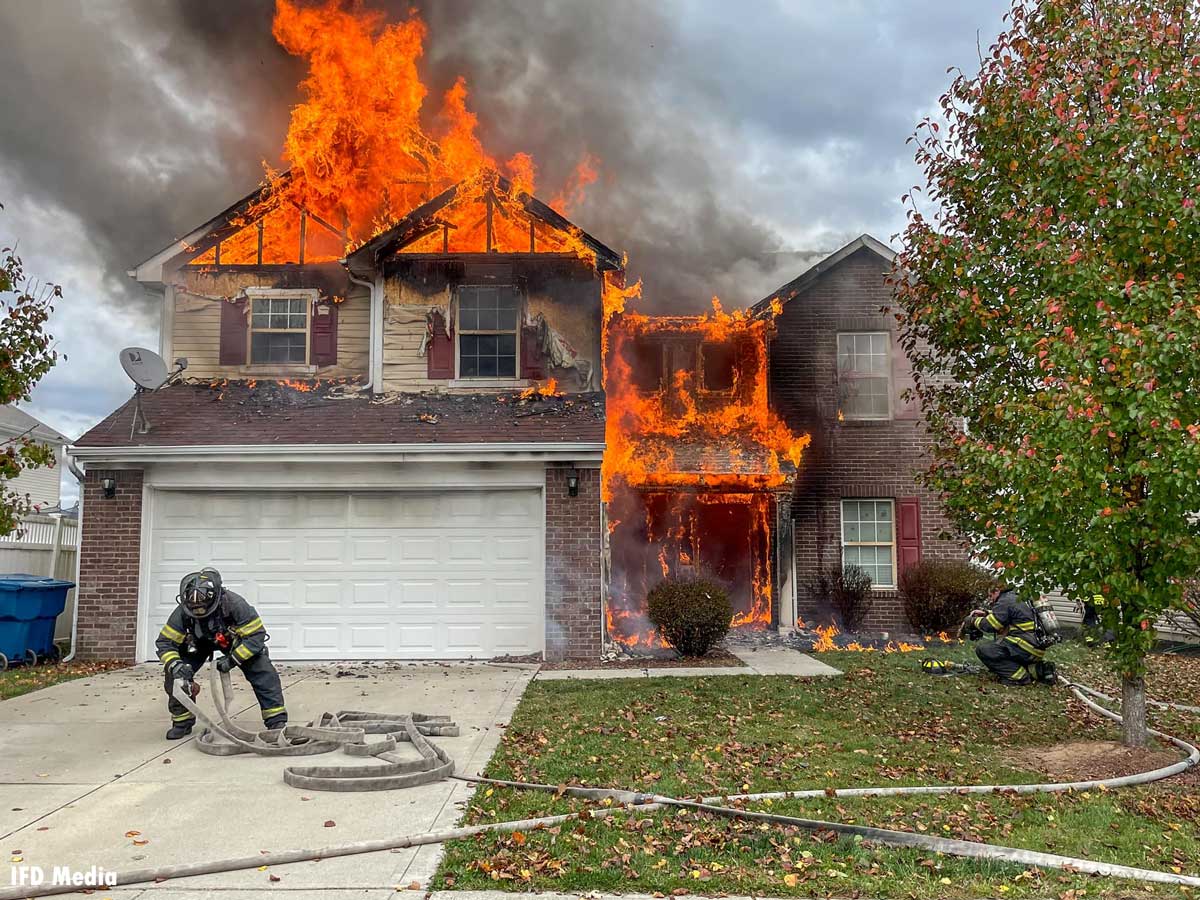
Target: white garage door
x: 399, y: 574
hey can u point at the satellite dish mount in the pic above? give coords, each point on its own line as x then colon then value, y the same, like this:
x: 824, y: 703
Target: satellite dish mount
x: 148, y: 373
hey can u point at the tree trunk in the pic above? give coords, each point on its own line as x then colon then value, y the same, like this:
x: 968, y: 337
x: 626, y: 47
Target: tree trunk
x: 1133, y: 711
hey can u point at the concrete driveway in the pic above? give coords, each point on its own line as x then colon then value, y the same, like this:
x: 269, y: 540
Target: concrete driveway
x: 83, y: 763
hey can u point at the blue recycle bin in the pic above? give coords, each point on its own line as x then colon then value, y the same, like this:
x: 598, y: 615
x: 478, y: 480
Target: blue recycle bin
x: 29, y: 605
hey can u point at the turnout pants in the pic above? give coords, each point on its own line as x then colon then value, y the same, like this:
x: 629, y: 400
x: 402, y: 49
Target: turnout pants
x: 259, y: 671
x: 1008, y: 661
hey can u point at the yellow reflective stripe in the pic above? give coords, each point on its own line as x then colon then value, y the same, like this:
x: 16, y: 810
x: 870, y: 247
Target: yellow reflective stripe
x: 273, y: 711
x: 1025, y: 626
x: 1098, y: 599
x: 171, y: 634
x: 169, y: 657
x: 1026, y: 646
x: 241, y: 651
x: 249, y: 628
x: 182, y: 717
x: 994, y: 622
x: 1021, y: 672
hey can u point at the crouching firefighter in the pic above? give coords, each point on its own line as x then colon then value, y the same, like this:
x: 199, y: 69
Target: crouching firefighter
x: 209, y: 618
x: 1017, y: 655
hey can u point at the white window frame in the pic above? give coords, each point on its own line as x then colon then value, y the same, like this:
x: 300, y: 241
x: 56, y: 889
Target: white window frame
x: 892, y: 545
x: 854, y: 376
x: 309, y: 295
x: 484, y: 380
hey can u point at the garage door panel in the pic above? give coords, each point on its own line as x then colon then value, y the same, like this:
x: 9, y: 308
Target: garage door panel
x: 416, y: 640
x: 370, y: 548
x: 371, y: 574
x: 321, y: 551
x: 320, y: 595
x: 417, y: 594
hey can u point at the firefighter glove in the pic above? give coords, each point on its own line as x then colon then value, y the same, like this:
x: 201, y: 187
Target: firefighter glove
x: 181, y: 671
x: 225, y: 664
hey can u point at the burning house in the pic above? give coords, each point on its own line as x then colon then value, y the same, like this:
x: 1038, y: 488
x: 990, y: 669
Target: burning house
x: 696, y: 463
x: 423, y: 417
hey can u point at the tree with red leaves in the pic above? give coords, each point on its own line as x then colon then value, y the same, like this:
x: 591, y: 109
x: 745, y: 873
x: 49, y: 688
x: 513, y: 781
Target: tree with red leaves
x: 26, y: 355
x: 1053, y: 302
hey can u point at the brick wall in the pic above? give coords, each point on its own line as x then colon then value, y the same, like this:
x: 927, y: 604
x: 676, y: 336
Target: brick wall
x: 574, y: 617
x: 109, y: 560
x: 850, y: 458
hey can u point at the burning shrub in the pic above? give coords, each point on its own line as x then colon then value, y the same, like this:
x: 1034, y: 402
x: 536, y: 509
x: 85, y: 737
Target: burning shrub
x: 938, y: 594
x: 847, y: 591
x: 690, y: 614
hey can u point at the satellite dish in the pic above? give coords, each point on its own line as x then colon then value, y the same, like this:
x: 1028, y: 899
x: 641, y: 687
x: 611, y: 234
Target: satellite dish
x: 144, y: 367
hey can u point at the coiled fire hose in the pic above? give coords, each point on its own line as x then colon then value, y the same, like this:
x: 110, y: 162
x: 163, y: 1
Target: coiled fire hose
x: 632, y: 801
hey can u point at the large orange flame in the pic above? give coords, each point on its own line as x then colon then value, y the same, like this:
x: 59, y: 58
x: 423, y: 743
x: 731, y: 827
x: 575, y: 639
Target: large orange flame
x: 694, y: 455
x: 363, y: 150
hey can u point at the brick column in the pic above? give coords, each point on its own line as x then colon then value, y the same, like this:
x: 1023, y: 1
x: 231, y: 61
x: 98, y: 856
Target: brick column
x: 109, y: 560
x: 574, y: 617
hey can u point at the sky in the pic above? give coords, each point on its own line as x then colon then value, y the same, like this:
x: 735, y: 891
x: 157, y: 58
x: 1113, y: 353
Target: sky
x: 734, y: 140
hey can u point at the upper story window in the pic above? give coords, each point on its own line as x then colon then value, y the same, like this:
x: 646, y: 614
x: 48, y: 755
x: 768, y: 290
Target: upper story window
x: 489, y: 321
x: 718, y: 363
x: 865, y: 375
x: 279, y: 330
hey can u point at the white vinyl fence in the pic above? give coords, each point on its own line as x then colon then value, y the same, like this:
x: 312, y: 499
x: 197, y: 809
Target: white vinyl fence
x: 44, y: 545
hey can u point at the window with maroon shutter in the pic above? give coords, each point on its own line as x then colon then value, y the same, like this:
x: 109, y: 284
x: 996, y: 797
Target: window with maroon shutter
x: 908, y: 532
x: 233, y: 333
x: 439, y: 355
x: 324, y: 334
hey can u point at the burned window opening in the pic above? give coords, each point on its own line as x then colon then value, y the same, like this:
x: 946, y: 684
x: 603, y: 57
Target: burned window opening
x: 647, y: 358
x: 718, y: 367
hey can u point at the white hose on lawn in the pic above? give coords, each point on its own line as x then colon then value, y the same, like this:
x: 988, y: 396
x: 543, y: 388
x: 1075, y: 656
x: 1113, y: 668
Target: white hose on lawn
x: 1098, y: 784
x: 639, y: 802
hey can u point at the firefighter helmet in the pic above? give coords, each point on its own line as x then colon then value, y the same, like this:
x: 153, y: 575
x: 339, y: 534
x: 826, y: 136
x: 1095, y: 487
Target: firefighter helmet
x: 200, y: 593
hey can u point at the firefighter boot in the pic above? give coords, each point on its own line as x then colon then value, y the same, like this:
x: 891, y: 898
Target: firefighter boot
x: 275, y: 722
x: 180, y: 730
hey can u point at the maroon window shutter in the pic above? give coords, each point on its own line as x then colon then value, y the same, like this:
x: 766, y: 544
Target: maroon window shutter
x: 324, y: 334
x: 532, y: 366
x: 439, y: 355
x: 233, y: 333
x: 908, y: 532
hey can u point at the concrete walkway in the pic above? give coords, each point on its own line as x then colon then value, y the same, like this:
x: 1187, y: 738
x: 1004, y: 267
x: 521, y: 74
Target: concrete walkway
x: 768, y: 661
x: 87, y: 779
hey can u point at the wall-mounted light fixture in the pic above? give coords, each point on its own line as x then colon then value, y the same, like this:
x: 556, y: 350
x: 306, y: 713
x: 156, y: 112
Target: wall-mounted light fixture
x: 572, y: 482
x: 110, y: 488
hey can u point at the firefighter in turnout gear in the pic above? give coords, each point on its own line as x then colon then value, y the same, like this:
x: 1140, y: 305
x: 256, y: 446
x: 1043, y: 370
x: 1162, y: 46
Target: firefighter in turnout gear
x: 209, y: 618
x: 1017, y: 655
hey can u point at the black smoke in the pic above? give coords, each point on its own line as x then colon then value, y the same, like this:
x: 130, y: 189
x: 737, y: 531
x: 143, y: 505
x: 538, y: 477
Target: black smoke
x: 725, y: 134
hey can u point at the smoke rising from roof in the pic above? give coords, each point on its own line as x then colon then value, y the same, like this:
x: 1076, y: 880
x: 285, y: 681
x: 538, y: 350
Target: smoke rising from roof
x: 724, y: 140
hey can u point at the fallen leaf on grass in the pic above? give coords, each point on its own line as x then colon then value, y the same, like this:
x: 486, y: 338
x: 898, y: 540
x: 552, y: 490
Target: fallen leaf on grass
x: 791, y: 879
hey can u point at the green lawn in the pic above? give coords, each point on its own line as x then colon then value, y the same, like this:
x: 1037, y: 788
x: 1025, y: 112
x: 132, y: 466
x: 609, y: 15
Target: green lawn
x: 883, y: 723
x: 20, y: 680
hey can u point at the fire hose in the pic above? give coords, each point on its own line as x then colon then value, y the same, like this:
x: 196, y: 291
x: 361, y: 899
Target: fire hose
x: 346, y: 729
x: 633, y: 801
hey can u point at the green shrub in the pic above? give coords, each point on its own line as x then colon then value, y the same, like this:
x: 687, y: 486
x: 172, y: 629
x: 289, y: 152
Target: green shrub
x: 937, y: 594
x: 690, y: 614
x: 847, y: 591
